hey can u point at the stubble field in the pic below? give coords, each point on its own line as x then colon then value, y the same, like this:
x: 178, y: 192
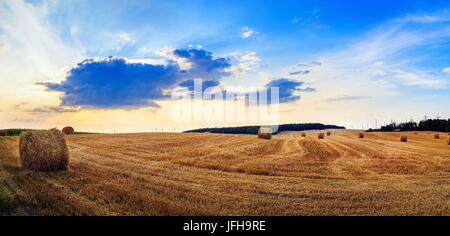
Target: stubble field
x: 218, y: 174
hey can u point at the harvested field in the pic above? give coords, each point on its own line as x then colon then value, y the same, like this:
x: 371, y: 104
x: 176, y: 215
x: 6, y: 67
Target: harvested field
x: 217, y: 174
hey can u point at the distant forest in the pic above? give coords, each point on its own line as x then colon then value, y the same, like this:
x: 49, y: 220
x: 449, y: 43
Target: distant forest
x: 254, y: 129
x: 424, y: 125
x: 17, y: 132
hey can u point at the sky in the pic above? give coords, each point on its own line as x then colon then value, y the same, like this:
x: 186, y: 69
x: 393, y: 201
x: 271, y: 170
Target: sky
x: 111, y: 66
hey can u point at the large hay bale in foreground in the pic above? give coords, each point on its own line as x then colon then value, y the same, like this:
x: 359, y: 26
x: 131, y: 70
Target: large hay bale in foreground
x: 44, y: 150
x: 68, y: 130
x: 3, y: 132
x: 265, y: 133
x: 436, y: 136
x: 328, y: 133
x: 303, y: 134
x: 361, y: 135
x: 321, y: 136
x: 403, y: 138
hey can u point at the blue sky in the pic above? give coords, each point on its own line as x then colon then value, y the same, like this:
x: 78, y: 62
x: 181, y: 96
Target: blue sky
x: 341, y: 62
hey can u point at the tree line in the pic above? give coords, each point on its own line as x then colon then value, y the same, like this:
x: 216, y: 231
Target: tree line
x: 254, y: 129
x: 440, y: 125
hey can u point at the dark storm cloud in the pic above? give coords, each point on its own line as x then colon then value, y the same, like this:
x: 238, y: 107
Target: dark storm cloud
x: 115, y: 83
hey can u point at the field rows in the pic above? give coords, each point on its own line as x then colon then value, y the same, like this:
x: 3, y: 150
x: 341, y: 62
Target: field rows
x: 217, y: 174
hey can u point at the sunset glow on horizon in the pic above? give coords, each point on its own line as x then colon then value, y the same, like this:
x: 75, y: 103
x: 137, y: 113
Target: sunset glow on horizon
x: 103, y: 67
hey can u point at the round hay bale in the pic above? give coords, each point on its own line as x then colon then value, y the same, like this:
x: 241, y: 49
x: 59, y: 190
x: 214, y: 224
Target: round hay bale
x: 328, y: 133
x: 403, y: 138
x: 265, y: 133
x: 68, y: 130
x: 321, y: 136
x: 361, y: 135
x: 436, y: 136
x: 44, y: 150
x: 3, y: 132
x: 303, y: 134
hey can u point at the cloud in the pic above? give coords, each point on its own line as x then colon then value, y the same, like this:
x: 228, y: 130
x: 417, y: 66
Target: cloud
x: 4, y: 45
x: 396, y: 46
x: 437, y: 17
x: 245, y: 62
x: 113, y: 83
x: 48, y: 109
x: 310, y: 64
x: 295, y: 19
x: 247, y: 32
x: 300, y: 72
x: 346, y: 98
x: 308, y: 89
x: 288, y: 89
x: 446, y: 70
x: 203, y: 65
x: 189, y: 84
x: 22, y: 120
x: 31, y: 40
x: 122, y: 40
x: 20, y: 105
x: 310, y: 19
x: 319, y: 25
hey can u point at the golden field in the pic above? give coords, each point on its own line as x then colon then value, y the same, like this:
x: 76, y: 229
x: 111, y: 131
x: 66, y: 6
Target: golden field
x: 218, y: 174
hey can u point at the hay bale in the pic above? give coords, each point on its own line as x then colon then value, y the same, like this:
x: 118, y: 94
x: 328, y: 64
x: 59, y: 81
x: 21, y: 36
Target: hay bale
x: 44, y: 150
x: 265, y: 133
x: 397, y: 130
x: 328, y: 133
x: 68, y: 130
x: 436, y: 136
x: 448, y: 141
x: 303, y: 134
x: 3, y: 132
x: 361, y: 135
x: 321, y: 136
x: 403, y: 138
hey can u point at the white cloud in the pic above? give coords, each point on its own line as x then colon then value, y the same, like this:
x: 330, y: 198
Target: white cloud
x: 167, y: 52
x: 122, y: 40
x: 34, y: 44
x: 246, y: 32
x: 296, y: 19
x: 442, y: 16
x: 32, y: 51
x: 446, y: 70
x: 386, y: 47
x: 4, y: 45
x: 245, y: 62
